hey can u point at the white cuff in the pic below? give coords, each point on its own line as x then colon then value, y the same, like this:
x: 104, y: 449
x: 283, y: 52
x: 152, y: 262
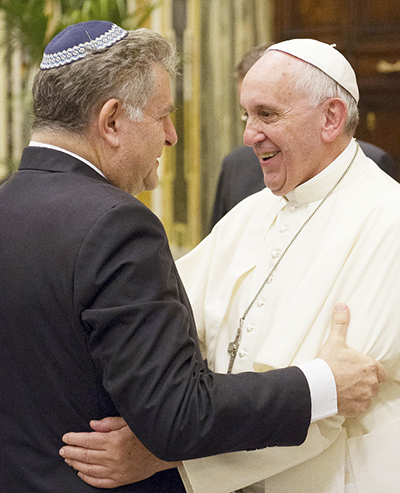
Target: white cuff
x: 322, y: 389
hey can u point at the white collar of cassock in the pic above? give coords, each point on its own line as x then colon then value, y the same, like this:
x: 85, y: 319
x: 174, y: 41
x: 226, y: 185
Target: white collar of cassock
x: 316, y: 188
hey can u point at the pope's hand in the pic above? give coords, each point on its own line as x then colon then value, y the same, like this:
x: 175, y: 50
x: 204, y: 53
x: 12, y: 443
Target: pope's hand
x: 110, y: 456
x: 357, y: 376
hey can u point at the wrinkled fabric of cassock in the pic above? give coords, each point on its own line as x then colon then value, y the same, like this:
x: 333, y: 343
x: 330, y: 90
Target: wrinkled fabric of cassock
x: 348, y: 252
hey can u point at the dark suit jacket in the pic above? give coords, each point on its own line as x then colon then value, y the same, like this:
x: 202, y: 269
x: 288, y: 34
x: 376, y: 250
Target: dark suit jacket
x: 94, y: 321
x: 241, y: 175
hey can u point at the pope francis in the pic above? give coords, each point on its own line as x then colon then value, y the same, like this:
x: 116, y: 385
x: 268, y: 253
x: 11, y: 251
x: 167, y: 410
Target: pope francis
x: 327, y: 229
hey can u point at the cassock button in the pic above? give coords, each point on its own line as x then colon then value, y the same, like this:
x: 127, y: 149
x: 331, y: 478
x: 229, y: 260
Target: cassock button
x: 292, y: 208
x: 270, y: 280
x: 242, y: 354
x: 250, y: 328
x: 283, y: 229
x: 260, y: 303
x: 276, y: 254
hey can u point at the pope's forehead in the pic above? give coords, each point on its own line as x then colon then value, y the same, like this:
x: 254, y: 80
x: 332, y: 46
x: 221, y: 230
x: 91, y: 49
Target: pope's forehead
x: 273, y: 71
x: 273, y: 62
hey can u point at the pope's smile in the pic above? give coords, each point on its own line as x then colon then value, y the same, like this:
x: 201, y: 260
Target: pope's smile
x: 266, y: 156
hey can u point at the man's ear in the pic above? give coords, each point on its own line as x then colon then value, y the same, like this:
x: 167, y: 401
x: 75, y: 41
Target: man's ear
x: 334, y: 119
x: 108, y: 121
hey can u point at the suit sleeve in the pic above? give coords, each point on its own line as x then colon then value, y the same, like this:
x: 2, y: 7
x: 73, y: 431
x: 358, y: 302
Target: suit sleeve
x: 141, y: 337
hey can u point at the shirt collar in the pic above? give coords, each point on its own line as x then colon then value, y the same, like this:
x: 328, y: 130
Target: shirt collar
x: 56, y: 148
x: 316, y: 188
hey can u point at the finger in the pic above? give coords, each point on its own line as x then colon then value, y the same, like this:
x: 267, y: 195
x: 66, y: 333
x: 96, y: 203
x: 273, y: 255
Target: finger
x: 98, y: 482
x: 339, y: 326
x: 91, y: 440
x: 108, y: 424
x: 92, y: 470
x: 381, y: 372
x: 82, y: 454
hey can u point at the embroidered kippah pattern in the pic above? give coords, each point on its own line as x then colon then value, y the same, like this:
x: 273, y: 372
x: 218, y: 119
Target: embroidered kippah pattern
x: 74, y: 53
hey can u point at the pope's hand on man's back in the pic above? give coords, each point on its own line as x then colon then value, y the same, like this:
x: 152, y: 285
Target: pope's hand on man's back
x: 357, y: 376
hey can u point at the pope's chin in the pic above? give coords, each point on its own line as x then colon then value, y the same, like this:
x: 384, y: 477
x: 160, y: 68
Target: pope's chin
x: 279, y: 192
x: 274, y: 182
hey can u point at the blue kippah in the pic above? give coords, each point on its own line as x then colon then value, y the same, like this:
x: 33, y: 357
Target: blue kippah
x: 76, y: 41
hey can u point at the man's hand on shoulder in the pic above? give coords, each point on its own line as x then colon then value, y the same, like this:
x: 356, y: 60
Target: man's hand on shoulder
x: 357, y: 376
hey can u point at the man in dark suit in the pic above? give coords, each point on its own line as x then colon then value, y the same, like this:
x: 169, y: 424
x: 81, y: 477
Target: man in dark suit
x: 241, y: 174
x: 94, y: 319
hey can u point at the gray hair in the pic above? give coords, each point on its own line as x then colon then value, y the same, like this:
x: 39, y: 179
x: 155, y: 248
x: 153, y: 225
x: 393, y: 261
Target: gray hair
x: 67, y: 98
x: 318, y: 87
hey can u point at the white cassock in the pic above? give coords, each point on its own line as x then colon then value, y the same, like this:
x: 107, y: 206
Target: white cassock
x: 349, y: 252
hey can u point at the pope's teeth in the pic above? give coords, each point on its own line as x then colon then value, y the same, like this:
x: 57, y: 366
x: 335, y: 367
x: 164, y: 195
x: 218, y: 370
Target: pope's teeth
x: 267, y: 155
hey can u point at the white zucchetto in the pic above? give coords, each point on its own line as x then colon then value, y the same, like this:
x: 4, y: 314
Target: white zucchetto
x: 323, y: 56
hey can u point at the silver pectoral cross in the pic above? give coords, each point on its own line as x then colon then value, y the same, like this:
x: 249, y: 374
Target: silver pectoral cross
x: 233, y: 346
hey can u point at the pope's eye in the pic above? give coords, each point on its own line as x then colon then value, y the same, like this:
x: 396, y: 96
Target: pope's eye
x: 244, y: 117
x: 265, y: 114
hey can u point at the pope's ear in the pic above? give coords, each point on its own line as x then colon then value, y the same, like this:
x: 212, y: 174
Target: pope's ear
x: 334, y: 119
x: 109, y: 121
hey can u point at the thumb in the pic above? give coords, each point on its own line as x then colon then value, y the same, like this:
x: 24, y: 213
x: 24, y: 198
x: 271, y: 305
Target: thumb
x: 340, y: 324
x: 108, y: 424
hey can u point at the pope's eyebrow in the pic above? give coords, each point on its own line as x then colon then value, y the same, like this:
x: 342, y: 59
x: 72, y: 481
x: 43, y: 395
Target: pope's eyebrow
x: 261, y: 107
x: 264, y: 107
